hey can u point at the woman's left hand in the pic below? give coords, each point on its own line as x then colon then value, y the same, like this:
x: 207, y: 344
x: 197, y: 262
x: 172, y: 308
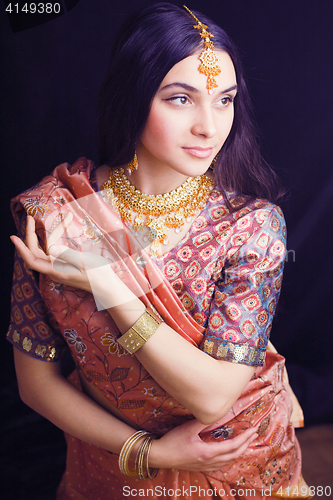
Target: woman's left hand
x: 60, y: 263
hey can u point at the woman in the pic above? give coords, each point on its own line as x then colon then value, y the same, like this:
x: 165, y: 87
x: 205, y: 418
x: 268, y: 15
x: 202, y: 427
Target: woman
x: 163, y: 286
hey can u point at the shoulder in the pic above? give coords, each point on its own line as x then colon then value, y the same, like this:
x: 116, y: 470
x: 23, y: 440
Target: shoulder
x: 52, y: 191
x: 242, y: 211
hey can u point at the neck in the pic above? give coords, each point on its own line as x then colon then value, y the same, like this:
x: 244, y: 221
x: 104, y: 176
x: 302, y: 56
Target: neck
x: 156, y: 183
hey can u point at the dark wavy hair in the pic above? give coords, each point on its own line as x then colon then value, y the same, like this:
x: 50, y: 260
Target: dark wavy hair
x: 148, y: 45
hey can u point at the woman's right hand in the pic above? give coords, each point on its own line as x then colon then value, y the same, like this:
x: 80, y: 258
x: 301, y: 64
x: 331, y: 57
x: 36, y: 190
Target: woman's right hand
x: 182, y: 448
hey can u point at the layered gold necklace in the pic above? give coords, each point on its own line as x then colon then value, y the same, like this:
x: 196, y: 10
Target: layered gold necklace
x: 178, y: 205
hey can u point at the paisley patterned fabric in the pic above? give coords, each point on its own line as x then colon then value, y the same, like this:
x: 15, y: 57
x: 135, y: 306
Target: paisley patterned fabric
x: 218, y: 288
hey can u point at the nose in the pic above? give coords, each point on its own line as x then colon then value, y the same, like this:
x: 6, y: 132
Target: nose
x: 204, y: 122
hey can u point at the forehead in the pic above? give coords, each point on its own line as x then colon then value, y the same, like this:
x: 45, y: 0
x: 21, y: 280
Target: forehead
x: 187, y: 71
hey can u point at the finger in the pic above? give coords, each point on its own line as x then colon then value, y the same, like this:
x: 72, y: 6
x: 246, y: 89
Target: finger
x: 66, y: 258
x: 195, y: 426
x: 59, y: 230
x: 42, y: 265
x: 31, y: 238
x: 232, y: 455
x: 81, y: 260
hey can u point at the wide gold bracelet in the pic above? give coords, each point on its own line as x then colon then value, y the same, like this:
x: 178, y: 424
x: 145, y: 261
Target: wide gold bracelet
x: 140, y: 332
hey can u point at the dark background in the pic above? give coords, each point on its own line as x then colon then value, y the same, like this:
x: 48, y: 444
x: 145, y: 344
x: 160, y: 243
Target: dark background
x: 52, y: 67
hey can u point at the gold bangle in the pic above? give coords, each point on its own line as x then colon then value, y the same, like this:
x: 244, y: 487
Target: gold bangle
x: 140, y: 332
x: 126, y: 450
x: 143, y: 454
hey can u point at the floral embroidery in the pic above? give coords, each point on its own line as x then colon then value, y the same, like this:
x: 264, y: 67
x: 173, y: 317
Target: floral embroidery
x: 262, y: 318
x: 218, y: 212
x: 251, y: 303
x: 156, y: 412
x: 252, y: 256
x: 257, y: 408
x: 224, y: 431
x: 33, y: 206
x: 150, y: 392
x: 172, y: 269
x: 92, y: 232
x: 257, y: 279
x: 208, y: 252
x: 18, y: 270
x: 216, y: 321
x: 74, y: 340
x: 248, y: 328
x: 109, y: 339
x: 244, y: 222
x: 57, y: 287
x: 185, y: 253
x: 27, y: 290
x: 198, y: 286
x: 192, y: 270
x: 59, y: 200
x: 42, y: 330
x: 187, y: 301
x: 278, y: 248
x: 17, y: 316
x: 203, y: 238
x: 222, y: 227
x: 274, y: 223
x: 261, y: 216
x: 199, y: 223
x: 178, y: 285
x: 266, y: 291
x: 231, y: 335
x: 263, y: 240
x: 240, y: 238
x: 18, y: 293
x: 271, y: 306
x: 220, y: 297
x: 240, y: 289
x: 199, y: 318
x: 28, y: 312
x: 233, y: 312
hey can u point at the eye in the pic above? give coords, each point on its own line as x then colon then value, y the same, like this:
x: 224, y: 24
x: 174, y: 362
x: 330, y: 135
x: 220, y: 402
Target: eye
x: 179, y: 100
x: 225, y: 101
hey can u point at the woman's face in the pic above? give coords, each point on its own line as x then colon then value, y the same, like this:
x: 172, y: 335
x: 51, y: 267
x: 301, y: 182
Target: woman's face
x: 187, y: 126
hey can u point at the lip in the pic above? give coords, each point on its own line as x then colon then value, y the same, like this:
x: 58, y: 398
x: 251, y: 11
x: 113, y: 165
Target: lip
x: 199, y: 152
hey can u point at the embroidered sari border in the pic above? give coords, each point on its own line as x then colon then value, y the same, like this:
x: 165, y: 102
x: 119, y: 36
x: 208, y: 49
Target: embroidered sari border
x: 39, y: 350
x: 231, y: 351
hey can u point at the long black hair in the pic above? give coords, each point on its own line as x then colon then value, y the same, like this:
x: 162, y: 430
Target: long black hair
x: 148, y: 45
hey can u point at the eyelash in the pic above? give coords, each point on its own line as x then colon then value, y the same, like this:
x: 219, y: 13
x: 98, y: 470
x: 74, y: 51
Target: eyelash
x: 230, y: 99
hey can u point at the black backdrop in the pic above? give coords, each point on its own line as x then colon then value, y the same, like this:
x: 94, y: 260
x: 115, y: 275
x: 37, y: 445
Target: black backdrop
x: 49, y: 85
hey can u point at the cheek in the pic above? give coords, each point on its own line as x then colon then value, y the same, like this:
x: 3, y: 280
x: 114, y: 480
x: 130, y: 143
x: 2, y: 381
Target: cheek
x: 159, y: 130
x: 226, y: 124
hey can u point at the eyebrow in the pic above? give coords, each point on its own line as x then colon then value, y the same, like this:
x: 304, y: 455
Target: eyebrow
x: 189, y: 88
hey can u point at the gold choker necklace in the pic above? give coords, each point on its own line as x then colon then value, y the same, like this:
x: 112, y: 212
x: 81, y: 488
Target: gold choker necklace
x: 178, y: 205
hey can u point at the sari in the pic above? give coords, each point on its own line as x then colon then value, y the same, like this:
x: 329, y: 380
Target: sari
x: 271, y: 466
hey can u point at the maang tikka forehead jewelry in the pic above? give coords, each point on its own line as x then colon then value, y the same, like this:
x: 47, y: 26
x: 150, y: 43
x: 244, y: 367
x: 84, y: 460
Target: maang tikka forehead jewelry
x: 209, y: 60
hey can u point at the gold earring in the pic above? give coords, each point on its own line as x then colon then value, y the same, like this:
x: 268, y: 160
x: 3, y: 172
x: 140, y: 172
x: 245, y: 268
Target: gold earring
x: 213, y: 164
x: 133, y: 165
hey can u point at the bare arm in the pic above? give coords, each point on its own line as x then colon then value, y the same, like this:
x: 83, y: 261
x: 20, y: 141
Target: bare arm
x: 205, y: 386
x: 43, y: 388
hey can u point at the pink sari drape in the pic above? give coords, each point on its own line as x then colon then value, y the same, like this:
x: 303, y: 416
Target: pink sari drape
x: 272, y: 463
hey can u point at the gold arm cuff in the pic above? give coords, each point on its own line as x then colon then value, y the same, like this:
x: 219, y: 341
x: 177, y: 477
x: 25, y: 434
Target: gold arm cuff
x: 140, y: 332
